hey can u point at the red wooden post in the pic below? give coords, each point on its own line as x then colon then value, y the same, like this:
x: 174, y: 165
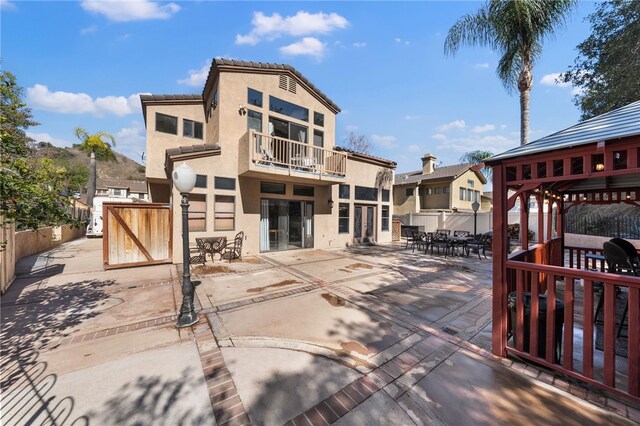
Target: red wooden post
x: 500, y: 252
x: 587, y: 348
x: 524, y: 220
x: 519, y: 325
x: 609, y: 334
x: 534, y: 314
x: 567, y: 360
x: 541, y: 233
x: 634, y: 340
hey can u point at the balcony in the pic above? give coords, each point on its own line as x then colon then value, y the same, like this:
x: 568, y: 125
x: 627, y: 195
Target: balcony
x: 262, y: 155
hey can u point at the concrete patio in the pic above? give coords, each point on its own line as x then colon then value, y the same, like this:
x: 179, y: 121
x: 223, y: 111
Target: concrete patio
x: 365, y: 335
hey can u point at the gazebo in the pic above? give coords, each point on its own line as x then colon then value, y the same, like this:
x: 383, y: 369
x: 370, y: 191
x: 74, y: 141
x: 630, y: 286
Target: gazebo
x: 544, y: 294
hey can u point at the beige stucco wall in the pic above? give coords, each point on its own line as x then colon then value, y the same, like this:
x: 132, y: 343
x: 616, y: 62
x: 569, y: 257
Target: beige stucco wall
x: 403, y: 204
x: 159, y: 142
x: 433, y: 200
x: 461, y: 182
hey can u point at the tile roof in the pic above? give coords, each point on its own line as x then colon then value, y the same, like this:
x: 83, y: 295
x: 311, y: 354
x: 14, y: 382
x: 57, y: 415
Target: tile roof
x: 218, y: 63
x: 365, y: 156
x: 138, y: 186
x: 444, y: 172
x: 148, y: 98
x: 189, y: 149
x: 619, y: 123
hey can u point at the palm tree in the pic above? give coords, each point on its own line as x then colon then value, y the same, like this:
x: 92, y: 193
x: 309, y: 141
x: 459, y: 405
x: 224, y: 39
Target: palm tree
x: 515, y: 29
x: 98, y: 143
x: 477, y: 157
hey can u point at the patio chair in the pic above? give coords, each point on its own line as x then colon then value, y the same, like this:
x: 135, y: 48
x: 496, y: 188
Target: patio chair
x: 480, y: 244
x: 199, y: 252
x: 233, y: 250
x: 630, y: 249
x: 461, y: 233
x: 619, y: 262
x: 408, y: 234
x: 447, y: 232
x: 441, y: 239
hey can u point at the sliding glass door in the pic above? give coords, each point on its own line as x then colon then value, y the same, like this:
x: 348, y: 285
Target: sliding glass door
x: 285, y: 225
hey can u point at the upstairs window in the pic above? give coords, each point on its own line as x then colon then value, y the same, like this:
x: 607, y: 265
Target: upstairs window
x: 254, y: 121
x: 366, y: 194
x: 386, y: 195
x: 287, y: 108
x: 201, y: 181
x: 469, y: 183
x: 191, y: 129
x: 318, y: 119
x: 254, y: 98
x: 166, y: 123
x: 343, y: 191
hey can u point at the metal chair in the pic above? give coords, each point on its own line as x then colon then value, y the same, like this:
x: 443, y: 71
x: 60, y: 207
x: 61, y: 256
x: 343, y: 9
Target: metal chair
x: 480, y: 244
x: 408, y: 234
x: 618, y: 261
x: 629, y: 249
x: 233, y: 250
x: 441, y: 239
x: 200, y: 252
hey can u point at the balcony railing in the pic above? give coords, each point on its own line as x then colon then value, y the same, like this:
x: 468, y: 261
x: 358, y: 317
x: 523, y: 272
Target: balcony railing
x: 296, y: 156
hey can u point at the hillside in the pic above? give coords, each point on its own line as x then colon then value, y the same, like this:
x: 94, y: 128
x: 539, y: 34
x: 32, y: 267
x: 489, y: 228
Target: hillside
x: 122, y: 168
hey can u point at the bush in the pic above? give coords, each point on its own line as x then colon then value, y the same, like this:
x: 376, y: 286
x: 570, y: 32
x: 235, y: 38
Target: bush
x: 513, y: 231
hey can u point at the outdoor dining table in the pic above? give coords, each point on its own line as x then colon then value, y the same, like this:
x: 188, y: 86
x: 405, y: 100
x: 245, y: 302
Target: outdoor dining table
x: 213, y: 245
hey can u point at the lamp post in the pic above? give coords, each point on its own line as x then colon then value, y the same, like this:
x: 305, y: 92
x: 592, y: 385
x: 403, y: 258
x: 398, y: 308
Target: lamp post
x: 184, y: 179
x: 475, y: 206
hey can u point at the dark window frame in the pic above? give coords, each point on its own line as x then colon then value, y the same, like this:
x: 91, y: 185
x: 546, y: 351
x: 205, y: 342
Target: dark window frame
x: 318, y: 118
x: 365, y: 193
x: 193, y: 127
x: 342, y: 195
x: 199, y: 181
x: 343, y: 228
x: 262, y: 188
x: 193, y: 198
x: 299, y: 190
x: 282, y: 109
x: 384, y: 220
x: 257, y: 103
x: 386, y: 195
x: 172, y: 118
x: 216, y: 213
x: 218, y: 183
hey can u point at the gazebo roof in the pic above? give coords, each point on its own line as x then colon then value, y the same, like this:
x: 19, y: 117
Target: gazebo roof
x: 619, y: 123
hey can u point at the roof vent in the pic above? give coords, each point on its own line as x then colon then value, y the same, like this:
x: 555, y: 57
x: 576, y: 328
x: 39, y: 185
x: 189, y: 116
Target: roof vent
x: 292, y: 85
x: 283, y: 82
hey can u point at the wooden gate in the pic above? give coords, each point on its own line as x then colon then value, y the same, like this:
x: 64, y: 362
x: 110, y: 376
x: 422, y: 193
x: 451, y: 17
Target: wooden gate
x: 136, y: 234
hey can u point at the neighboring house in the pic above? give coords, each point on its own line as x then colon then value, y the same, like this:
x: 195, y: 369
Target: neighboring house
x: 134, y: 189
x: 261, y: 139
x: 445, y: 188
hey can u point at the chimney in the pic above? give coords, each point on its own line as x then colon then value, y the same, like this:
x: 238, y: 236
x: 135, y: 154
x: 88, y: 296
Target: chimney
x: 428, y: 164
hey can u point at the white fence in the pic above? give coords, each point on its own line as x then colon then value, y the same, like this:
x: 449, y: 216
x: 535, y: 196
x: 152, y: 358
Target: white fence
x: 463, y: 221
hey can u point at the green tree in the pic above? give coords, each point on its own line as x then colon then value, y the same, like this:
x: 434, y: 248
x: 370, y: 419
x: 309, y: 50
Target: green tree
x: 477, y: 157
x: 98, y: 144
x: 606, y: 69
x: 31, y: 189
x: 515, y: 29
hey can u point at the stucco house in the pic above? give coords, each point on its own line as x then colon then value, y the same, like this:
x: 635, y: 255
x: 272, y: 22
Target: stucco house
x: 261, y: 138
x: 444, y: 188
x: 124, y: 188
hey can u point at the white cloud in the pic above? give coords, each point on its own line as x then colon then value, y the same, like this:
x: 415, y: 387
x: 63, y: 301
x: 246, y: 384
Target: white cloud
x: 40, y: 97
x: 46, y: 137
x: 384, y: 141
x: 300, y: 24
x: 439, y: 137
x: 400, y: 41
x: 130, y: 10
x: 503, y: 126
x: 89, y: 30
x: 457, y: 124
x: 485, y: 128
x: 359, y: 45
x: 197, y: 78
x: 552, y: 80
x: 7, y: 5
x: 413, y: 148
x: 411, y: 117
x: 132, y: 140
x: 308, y: 46
x: 491, y: 143
x: 481, y: 66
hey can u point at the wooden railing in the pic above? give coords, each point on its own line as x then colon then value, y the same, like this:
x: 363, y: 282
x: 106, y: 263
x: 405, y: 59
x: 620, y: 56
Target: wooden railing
x: 530, y: 279
x: 279, y: 152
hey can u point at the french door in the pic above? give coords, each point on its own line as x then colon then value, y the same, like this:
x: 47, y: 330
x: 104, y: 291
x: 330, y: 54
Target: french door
x: 364, y: 224
x: 285, y: 225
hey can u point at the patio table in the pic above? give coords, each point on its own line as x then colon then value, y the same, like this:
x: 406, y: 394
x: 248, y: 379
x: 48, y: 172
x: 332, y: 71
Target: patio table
x: 213, y: 245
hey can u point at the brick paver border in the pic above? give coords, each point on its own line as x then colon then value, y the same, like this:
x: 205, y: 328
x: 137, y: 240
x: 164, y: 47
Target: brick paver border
x: 228, y: 408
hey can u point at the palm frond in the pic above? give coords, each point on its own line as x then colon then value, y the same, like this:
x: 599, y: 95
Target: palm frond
x: 470, y: 30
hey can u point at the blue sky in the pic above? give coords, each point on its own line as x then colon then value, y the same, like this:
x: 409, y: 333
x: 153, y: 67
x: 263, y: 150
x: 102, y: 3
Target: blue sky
x: 84, y: 63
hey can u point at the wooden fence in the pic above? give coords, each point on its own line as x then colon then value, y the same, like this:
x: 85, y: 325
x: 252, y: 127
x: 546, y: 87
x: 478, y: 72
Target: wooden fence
x: 136, y: 234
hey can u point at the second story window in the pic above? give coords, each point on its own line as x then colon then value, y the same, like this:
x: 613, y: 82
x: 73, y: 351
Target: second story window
x: 287, y: 108
x: 191, y: 129
x: 469, y: 183
x: 166, y: 123
x: 318, y: 119
x: 254, y: 97
x: 318, y: 138
x: 254, y: 120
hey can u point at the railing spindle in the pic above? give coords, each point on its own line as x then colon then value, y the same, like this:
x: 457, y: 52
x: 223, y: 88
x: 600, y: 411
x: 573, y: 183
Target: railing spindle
x: 588, y: 321
x: 569, y: 297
